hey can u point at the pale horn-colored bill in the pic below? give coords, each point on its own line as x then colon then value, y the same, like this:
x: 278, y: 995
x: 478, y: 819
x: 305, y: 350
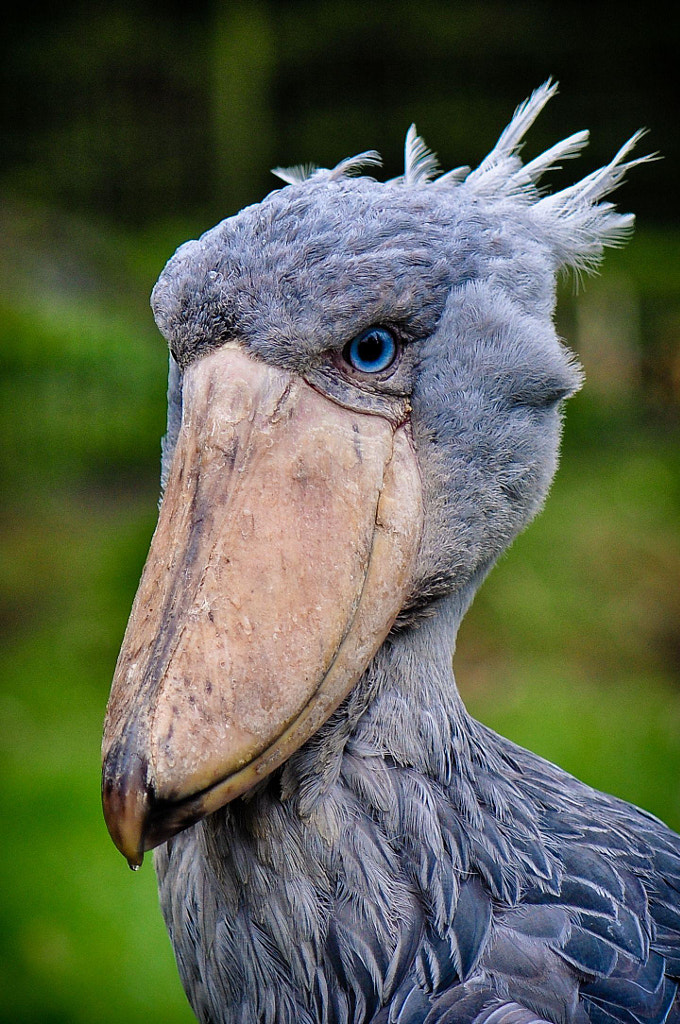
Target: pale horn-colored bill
x: 284, y: 550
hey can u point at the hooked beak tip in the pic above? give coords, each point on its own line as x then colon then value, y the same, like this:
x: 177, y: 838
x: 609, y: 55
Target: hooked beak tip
x: 136, y: 817
x: 126, y: 801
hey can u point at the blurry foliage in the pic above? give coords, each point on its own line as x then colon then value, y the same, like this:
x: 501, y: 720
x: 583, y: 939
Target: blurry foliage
x: 127, y: 130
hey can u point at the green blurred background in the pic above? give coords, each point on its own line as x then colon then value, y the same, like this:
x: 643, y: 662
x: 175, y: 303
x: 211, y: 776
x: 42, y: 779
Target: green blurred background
x: 127, y: 128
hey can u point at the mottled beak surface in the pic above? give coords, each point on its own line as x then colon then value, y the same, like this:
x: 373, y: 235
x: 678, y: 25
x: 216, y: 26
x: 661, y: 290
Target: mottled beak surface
x: 284, y: 550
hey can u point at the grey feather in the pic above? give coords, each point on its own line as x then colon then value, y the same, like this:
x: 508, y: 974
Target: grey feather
x: 174, y: 419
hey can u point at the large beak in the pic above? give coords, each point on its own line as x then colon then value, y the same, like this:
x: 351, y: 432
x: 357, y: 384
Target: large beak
x: 284, y: 551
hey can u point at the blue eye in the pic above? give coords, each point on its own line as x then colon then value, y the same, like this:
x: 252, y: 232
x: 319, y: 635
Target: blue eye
x: 371, y: 351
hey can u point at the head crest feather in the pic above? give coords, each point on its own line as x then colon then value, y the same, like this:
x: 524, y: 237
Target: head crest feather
x: 575, y: 221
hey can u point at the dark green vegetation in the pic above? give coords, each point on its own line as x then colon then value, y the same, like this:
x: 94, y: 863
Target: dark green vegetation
x: 127, y: 133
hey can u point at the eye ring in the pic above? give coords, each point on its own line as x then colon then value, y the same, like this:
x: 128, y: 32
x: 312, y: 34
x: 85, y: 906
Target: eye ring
x: 372, y: 351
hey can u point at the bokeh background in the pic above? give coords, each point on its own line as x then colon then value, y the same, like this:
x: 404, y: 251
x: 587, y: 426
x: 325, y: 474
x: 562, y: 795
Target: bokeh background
x: 129, y: 127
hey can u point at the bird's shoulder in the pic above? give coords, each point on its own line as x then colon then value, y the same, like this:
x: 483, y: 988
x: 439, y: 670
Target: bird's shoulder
x: 582, y: 923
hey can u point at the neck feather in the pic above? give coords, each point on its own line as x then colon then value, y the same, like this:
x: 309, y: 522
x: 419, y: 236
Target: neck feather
x: 405, y: 710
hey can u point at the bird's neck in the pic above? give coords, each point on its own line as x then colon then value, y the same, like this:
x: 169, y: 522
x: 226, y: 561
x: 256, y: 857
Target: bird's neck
x: 403, y: 754
x: 405, y: 710
x: 413, y: 707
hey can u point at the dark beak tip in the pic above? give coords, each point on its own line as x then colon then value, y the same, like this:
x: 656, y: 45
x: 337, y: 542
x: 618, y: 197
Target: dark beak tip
x: 126, y: 825
x: 137, y: 820
x: 126, y: 802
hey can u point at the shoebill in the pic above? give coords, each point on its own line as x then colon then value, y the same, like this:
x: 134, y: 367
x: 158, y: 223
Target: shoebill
x: 365, y: 400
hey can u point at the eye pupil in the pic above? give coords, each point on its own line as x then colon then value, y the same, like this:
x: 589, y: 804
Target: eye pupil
x: 372, y: 350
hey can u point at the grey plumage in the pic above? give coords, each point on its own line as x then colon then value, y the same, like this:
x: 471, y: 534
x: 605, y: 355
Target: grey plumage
x: 407, y: 865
